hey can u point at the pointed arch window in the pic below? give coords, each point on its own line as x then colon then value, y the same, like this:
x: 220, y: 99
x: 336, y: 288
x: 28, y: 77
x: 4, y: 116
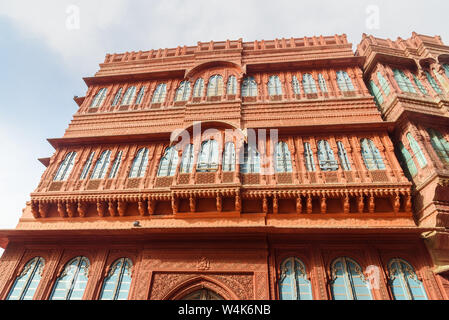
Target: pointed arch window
x: 118, y: 282
x: 348, y: 281
x: 404, y: 282
x: 295, y: 85
x: 326, y: 157
x: 251, y: 159
x: 117, y: 97
x: 433, y: 83
x: 322, y: 83
x: 26, y: 283
x: 168, y: 163
x: 183, y: 91
x: 232, y: 85
x: 375, y: 91
x: 274, y: 86
x: 308, y: 83
x: 140, y: 96
x: 371, y: 155
x: 71, y: 284
x: 420, y: 85
x: 249, y: 87
x: 129, y: 96
x: 208, y: 157
x: 101, y: 167
x: 344, y: 81
x: 140, y: 164
x: 383, y: 84
x: 187, y: 159
x: 417, y: 152
x: 446, y: 69
x: 344, y: 160
x: 87, y: 166
x: 116, y: 165
x: 403, y: 81
x: 160, y: 93
x: 229, y: 157
x: 215, y: 86
x: 99, y: 98
x: 408, y: 160
x: 283, y: 158
x: 439, y: 144
x: 308, y: 157
x: 65, y: 168
x: 198, y: 89
x: 293, y: 282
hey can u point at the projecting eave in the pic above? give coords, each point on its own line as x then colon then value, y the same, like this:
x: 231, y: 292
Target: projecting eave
x: 163, y: 234
x: 44, y: 161
x: 130, y: 77
x: 390, y: 59
x: 309, y: 63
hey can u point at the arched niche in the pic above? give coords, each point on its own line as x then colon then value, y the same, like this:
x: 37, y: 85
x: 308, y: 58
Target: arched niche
x: 194, y: 286
x: 193, y: 72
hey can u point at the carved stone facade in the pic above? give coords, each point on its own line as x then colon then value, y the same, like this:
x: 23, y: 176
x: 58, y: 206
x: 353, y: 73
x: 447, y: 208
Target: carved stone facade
x: 341, y: 193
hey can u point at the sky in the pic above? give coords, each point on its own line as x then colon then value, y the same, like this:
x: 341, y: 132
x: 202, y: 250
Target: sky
x: 48, y: 46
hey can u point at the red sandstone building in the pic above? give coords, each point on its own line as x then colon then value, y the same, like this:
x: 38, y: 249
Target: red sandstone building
x: 247, y: 170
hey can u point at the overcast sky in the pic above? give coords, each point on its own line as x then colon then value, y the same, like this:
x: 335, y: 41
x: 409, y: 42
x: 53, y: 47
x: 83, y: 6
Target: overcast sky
x: 48, y: 46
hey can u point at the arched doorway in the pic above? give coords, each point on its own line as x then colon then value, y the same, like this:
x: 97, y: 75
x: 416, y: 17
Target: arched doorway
x: 202, y: 294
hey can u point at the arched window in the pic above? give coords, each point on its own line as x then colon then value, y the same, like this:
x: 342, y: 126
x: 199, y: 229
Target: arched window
x: 87, y: 166
x: 129, y: 96
x: 167, y: 166
x: 99, y: 98
x: 65, y: 167
x: 140, y: 163
x: 308, y: 83
x: 283, y: 158
x: 208, y: 157
x: 249, y: 87
x: 404, y: 282
x: 117, y: 97
x: 308, y: 157
x: 198, y: 89
x: 274, y: 86
x: 215, y: 86
x: 232, y: 85
x: 371, y: 155
x: 295, y: 85
x: 203, y: 294
x: 408, y: 160
x: 326, y: 157
x: 420, y: 85
x: 293, y: 282
x: 433, y: 83
x: 229, y: 157
x: 446, y: 69
x: 26, y: 283
x: 344, y: 160
x: 101, y: 167
x: 160, y: 93
x: 116, y: 165
x: 344, y: 81
x: 403, y: 81
x: 417, y: 152
x: 187, y: 159
x: 140, y: 96
x: 383, y: 84
x: 251, y: 160
x: 72, y: 282
x: 322, y: 83
x: 348, y: 281
x: 183, y: 91
x: 375, y: 91
x: 118, y: 282
x: 439, y: 144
